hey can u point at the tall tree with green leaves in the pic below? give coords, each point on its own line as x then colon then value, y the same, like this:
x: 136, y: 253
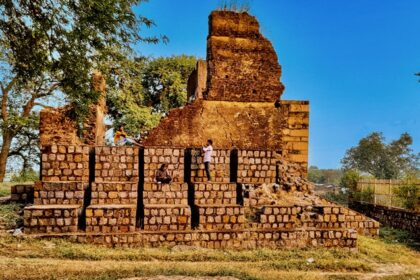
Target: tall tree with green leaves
x: 147, y: 89
x: 380, y: 159
x: 53, y: 46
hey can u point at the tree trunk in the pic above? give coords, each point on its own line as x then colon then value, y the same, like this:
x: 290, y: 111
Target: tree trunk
x: 4, y: 153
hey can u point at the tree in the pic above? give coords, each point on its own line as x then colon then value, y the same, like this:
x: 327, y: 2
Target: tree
x: 382, y: 160
x: 52, y: 47
x: 324, y: 176
x: 349, y: 180
x: 146, y: 89
x: 315, y: 175
x: 165, y: 81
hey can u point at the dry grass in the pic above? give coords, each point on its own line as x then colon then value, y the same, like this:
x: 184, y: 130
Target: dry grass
x: 59, y: 259
x: 389, y: 256
x: 5, y: 189
x: 239, y: 6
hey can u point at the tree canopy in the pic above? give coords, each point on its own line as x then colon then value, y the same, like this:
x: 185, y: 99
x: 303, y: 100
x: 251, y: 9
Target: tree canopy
x: 52, y: 48
x: 380, y: 159
x: 147, y: 89
x: 324, y: 176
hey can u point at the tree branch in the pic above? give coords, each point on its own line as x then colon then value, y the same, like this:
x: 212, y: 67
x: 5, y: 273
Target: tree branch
x: 5, y: 95
x: 31, y: 102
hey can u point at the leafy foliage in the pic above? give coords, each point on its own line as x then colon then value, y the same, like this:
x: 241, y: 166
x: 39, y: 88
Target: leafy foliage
x: 382, y: 160
x: 364, y: 195
x: 68, y: 39
x: 409, y: 193
x: 49, y: 49
x: 324, y: 176
x: 350, y: 179
x: 165, y: 81
x: 146, y: 89
x: 26, y: 175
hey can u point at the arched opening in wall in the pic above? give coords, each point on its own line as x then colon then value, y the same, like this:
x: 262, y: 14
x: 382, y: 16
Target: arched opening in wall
x: 140, y: 187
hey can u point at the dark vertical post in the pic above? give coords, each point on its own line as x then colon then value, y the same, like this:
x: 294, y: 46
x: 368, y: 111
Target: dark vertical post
x: 87, y: 197
x: 140, y: 188
x: 191, y: 192
x: 234, y: 166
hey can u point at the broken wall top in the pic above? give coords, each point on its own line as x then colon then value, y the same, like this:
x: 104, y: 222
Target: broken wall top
x: 242, y: 64
x: 57, y: 127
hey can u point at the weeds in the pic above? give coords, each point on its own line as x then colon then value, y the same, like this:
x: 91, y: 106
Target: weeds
x: 239, y: 6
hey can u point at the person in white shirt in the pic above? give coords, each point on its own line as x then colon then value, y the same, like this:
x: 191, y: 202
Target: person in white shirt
x: 208, y: 150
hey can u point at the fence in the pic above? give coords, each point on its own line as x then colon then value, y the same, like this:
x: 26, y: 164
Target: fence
x: 380, y: 192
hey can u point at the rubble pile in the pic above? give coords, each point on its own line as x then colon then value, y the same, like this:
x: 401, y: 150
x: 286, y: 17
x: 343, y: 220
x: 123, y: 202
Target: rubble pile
x: 292, y: 177
x: 273, y: 194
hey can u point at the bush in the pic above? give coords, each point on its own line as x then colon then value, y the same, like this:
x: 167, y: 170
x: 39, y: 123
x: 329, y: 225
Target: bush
x: 239, y: 6
x: 408, y: 194
x: 364, y: 195
x: 25, y: 176
x: 350, y: 179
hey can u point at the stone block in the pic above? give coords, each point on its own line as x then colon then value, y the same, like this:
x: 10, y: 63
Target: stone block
x: 219, y: 217
x: 173, y: 193
x: 41, y: 219
x: 161, y: 217
x: 119, y: 218
x: 114, y: 193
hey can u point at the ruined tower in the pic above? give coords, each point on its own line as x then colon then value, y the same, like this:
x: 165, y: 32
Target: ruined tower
x: 109, y: 195
x: 235, y: 96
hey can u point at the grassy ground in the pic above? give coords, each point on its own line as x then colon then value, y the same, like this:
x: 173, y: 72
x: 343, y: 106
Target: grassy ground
x: 388, y: 257
x: 5, y: 189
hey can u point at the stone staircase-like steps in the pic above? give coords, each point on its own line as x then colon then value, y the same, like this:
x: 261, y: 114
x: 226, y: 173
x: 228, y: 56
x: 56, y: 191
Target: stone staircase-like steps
x: 114, y: 191
x: 166, y: 207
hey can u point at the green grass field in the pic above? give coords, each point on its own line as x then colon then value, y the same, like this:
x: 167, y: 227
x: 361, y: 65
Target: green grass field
x: 389, y: 257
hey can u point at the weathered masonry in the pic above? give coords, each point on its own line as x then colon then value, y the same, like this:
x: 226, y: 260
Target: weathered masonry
x: 107, y: 195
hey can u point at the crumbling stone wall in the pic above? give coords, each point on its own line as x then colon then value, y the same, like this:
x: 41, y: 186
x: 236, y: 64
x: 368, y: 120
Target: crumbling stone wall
x: 56, y: 126
x: 197, y: 81
x: 242, y: 64
x: 108, y: 195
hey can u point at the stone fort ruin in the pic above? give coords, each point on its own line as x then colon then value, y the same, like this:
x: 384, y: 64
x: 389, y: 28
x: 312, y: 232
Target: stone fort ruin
x: 259, y: 197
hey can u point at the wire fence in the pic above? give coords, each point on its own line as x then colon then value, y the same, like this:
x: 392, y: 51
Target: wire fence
x: 381, y: 192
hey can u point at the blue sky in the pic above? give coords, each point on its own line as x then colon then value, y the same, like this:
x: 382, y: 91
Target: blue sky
x: 353, y: 60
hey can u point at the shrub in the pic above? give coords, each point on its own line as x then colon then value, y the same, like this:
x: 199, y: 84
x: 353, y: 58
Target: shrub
x: 350, y: 179
x: 408, y: 194
x: 25, y: 176
x: 240, y: 6
x: 364, y: 195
